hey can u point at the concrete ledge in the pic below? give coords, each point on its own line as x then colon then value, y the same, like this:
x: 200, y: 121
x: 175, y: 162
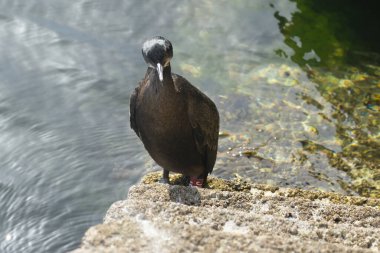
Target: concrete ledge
x: 249, y: 218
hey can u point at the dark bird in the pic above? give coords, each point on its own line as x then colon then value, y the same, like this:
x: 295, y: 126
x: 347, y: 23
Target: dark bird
x: 176, y: 122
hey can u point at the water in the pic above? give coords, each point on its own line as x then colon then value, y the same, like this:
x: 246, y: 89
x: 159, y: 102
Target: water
x: 67, y: 70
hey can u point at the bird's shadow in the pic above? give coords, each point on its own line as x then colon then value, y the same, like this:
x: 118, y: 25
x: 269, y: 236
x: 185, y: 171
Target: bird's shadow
x: 181, y: 192
x: 186, y: 195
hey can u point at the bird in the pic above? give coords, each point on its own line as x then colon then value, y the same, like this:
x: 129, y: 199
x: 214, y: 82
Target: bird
x: 177, y: 123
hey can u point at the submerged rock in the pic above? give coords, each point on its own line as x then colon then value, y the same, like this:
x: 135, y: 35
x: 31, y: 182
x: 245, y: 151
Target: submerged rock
x: 234, y: 216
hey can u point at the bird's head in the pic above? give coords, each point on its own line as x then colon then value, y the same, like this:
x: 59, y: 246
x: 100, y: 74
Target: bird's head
x: 157, y: 53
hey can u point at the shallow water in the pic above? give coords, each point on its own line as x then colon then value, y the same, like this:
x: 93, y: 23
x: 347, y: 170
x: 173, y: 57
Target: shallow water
x: 293, y: 114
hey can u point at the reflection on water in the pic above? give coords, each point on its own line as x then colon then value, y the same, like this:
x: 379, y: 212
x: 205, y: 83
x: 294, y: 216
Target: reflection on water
x: 299, y: 106
x: 329, y: 33
x: 339, y: 50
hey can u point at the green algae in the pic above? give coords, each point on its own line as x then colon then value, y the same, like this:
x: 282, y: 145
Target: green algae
x: 237, y: 184
x: 360, y: 155
x: 245, y: 185
x: 351, y: 144
x: 333, y: 197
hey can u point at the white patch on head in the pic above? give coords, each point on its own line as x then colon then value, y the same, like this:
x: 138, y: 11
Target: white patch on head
x: 150, y: 43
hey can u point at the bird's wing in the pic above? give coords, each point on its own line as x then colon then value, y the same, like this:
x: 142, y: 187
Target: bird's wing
x: 132, y: 109
x: 204, y: 119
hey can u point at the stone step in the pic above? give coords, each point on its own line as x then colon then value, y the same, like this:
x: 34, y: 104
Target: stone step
x: 173, y: 218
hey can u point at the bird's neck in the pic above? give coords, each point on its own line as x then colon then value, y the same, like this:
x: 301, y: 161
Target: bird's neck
x: 167, y: 75
x: 168, y: 72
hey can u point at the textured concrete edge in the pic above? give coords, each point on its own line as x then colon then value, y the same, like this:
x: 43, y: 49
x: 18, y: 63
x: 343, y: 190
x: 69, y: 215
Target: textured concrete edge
x: 136, y: 224
x: 240, y: 184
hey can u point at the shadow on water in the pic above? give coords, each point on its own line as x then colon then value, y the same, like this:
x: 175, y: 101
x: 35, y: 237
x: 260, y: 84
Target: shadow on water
x: 330, y: 34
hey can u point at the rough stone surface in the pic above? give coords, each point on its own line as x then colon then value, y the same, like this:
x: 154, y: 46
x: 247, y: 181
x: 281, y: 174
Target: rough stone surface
x: 173, y: 218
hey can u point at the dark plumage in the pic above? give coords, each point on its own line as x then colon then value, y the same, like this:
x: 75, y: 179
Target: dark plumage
x: 177, y: 123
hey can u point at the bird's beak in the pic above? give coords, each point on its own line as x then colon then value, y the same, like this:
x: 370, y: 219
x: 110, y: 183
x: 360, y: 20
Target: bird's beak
x: 160, y: 71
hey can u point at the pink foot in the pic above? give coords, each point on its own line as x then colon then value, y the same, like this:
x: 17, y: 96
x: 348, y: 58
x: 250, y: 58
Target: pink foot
x: 196, y: 182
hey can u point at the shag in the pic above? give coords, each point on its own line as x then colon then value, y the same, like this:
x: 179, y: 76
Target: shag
x: 176, y: 122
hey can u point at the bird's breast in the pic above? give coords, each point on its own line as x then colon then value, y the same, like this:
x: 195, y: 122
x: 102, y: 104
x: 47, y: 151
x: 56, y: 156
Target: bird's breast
x: 162, y: 114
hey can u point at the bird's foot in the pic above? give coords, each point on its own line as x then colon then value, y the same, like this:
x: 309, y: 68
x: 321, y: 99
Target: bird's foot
x: 198, y: 182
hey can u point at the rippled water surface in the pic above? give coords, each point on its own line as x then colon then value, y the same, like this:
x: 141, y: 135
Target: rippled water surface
x: 296, y: 83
